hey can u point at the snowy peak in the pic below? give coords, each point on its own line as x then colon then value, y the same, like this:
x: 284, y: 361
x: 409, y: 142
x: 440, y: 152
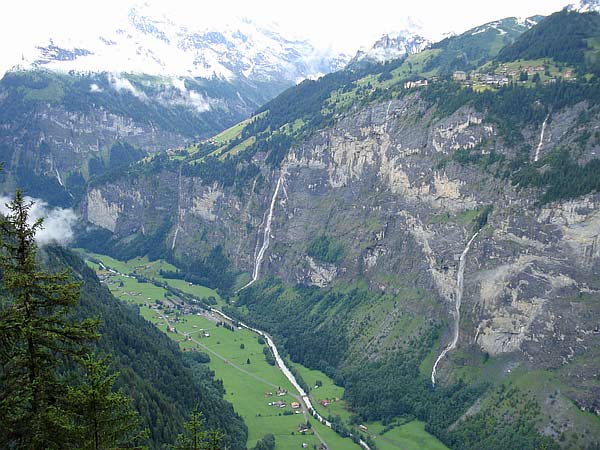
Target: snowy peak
x: 507, y: 26
x: 585, y: 6
x: 155, y: 45
x: 393, y: 46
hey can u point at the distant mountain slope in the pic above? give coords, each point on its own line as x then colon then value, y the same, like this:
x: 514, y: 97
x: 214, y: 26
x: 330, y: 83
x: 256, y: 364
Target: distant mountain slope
x: 58, y: 130
x: 478, y: 45
x: 146, y: 82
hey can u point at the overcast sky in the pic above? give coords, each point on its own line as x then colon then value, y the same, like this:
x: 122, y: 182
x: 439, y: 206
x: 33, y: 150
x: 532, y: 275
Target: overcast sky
x: 340, y: 24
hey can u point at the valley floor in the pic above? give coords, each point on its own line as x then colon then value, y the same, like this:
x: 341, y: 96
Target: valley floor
x: 237, y: 359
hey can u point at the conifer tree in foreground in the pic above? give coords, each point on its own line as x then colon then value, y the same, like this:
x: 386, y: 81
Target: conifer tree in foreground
x: 105, y: 419
x: 41, y: 347
x: 197, y: 437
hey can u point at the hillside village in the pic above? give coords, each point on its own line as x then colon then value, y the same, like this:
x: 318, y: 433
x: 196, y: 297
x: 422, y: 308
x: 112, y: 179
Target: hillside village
x: 503, y: 75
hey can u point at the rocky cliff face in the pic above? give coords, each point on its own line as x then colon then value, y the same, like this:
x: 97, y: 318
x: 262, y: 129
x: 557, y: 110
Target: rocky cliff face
x: 58, y: 141
x: 383, y: 184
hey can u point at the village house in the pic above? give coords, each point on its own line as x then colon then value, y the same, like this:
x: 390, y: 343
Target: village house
x: 295, y: 405
x: 415, y: 84
x: 277, y: 404
x: 303, y: 428
x: 459, y: 75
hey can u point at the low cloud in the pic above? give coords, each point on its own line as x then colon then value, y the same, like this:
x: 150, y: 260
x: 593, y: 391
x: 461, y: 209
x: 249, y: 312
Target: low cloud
x: 57, y: 227
x: 189, y: 97
x: 123, y: 84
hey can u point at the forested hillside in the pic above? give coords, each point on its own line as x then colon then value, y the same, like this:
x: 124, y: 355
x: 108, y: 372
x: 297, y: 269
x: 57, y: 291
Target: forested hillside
x: 164, y: 383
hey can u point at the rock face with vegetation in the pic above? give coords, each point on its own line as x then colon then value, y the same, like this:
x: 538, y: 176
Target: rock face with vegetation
x: 60, y: 130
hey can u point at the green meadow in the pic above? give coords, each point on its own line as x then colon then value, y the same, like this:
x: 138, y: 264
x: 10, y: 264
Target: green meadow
x: 237, y: 359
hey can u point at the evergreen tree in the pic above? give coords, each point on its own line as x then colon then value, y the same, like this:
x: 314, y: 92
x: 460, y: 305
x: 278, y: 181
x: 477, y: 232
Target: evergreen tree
x: 37, y: 339
x: 105, y: 419
x: 197, y: 437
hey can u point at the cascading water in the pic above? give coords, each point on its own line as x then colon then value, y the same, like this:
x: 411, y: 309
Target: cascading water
x: 541, y: 143
x: 258, y: 258
x: 459, y: 293
x: 179, y: 193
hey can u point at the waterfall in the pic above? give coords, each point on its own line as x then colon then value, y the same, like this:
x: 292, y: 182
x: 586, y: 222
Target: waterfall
x: 178, y: 211
x: 258, y: 258
x: 58, y: 177
x: 459, y: 293
x: 541, y: 143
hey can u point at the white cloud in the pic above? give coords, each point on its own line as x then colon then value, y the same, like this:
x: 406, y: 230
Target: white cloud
x: 95, y: 88
x: 335, y: 23
x: 198, y: 101
x: 119, y: 84
x: 58, y: 223
x: 187, y: 97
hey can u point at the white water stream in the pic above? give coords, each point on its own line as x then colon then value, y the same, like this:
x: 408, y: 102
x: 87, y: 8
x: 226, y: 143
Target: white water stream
x: 287, y: 373
x: 541, y: 143
x: 58, y: 177
x: 459, y: 293
x: 258, y: 257
x: 178, y: 211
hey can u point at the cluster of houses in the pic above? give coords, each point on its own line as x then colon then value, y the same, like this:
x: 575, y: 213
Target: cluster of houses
x: 504, y: 76
x: 480, y: 78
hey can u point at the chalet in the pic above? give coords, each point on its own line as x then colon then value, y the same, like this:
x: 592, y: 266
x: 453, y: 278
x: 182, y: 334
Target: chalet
x: 303, y: 428
x: 415, y: 84
x: 325, y: 403
x: 363, y: 428
x: 295, y: 405
x: 459, y: 75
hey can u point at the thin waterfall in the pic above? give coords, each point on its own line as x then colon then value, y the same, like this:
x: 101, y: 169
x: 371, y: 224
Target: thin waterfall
x: 541, y: 143
x: 258, y: 258
x: 459, y: 293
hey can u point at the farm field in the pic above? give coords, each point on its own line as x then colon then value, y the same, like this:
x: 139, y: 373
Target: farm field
x: 236, y: 356
x: 238, y: 360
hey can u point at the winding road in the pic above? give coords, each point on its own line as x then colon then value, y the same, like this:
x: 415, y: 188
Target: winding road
x: 287, y: 373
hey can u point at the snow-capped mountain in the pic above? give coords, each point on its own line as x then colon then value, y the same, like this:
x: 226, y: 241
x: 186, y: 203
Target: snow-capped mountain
x: 155, y: 45
x: 585, y: 6
x: 393, y: 46
x: 508, y: 25
x: 405, y: 40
